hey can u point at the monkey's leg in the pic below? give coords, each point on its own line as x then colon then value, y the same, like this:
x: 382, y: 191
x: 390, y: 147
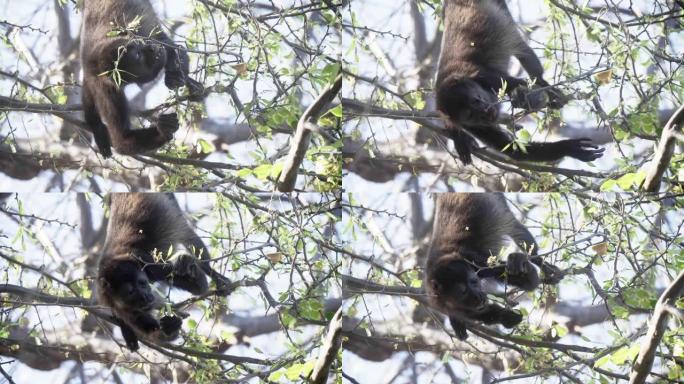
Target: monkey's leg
x: 496, y: 314
x: 495, y: 137
x: 459, y: 328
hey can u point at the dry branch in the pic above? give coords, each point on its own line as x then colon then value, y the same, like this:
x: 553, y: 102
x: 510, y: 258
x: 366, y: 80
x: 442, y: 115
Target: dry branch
x: 329, y: 349
x: 300, y: 142
x: 656, y: 329
x: 661, y: 159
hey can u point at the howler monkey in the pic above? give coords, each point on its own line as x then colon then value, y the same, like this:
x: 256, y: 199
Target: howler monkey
x: 468, y: 229
x: 479, y: 39
x: 122, y: 43
x: 142, y: 228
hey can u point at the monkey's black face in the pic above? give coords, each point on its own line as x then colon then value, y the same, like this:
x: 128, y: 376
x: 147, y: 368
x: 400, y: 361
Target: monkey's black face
x: 457, y: 287
x: 130, y: 286
x: 468, y: 103
x: 141, y: 62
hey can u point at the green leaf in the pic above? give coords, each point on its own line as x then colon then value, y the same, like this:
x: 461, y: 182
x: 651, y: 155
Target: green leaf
x: 205, y: 146
x: 263, y: 171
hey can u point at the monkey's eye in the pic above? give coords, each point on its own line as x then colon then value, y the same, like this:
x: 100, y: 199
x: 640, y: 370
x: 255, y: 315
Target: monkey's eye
x: 462, y: 288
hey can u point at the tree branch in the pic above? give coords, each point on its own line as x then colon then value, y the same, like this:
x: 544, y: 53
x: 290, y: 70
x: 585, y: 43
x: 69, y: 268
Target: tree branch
x: 656, y: 329
x: 300, y: 142
x: 661, y: 159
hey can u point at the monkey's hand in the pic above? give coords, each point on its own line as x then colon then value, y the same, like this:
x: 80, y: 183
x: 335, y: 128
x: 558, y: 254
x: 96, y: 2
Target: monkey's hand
x: 170, y: 325
x: 580, y: 149
x: 510, y: 319
x: 520, y: 272
x: 459, y: 328
x: 551, y: 274
x: 195, y: 89
x: 529, y: 99
x: 174, y: 79
x: 187, y: 275
x: 496, y: 314
x: 463, y: 143
x: 223, y: 286
x: 557, y: 99
x: 146, y: 323
x: 167, y: 125
x: 538, y: 97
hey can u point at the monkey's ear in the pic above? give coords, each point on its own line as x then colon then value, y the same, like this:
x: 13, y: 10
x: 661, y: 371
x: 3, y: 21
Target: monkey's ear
x: 104, y: 284
x: 435, y: 286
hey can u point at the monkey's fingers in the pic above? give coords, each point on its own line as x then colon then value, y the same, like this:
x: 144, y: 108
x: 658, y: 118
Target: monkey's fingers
x: 174, y: 79
x: 583, y: 149
x: 132, y: 345
x: 148, y: 324
x: 463, y: 144
x: 195, y: 90
x: 557, y: 99
x: 167, y: 123
x: 459, y: 328
x: 551, y: 274
x: 510, y: 319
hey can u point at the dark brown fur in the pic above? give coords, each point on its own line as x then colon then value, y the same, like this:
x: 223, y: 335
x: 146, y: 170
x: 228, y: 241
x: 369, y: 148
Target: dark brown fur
x: 468, y: 229
x: 479, y: 39
x: 142, y: 226
x: 104, y: 102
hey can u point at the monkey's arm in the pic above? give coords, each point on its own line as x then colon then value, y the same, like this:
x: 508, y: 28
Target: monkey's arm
x: 129, y: 335
x: 177, y: 69
x: 463, y: 142
x: 491, y: 314
x: 502, y: 141
x: 130, y: 319
x: 94, y: 123
x: 112, y: 106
